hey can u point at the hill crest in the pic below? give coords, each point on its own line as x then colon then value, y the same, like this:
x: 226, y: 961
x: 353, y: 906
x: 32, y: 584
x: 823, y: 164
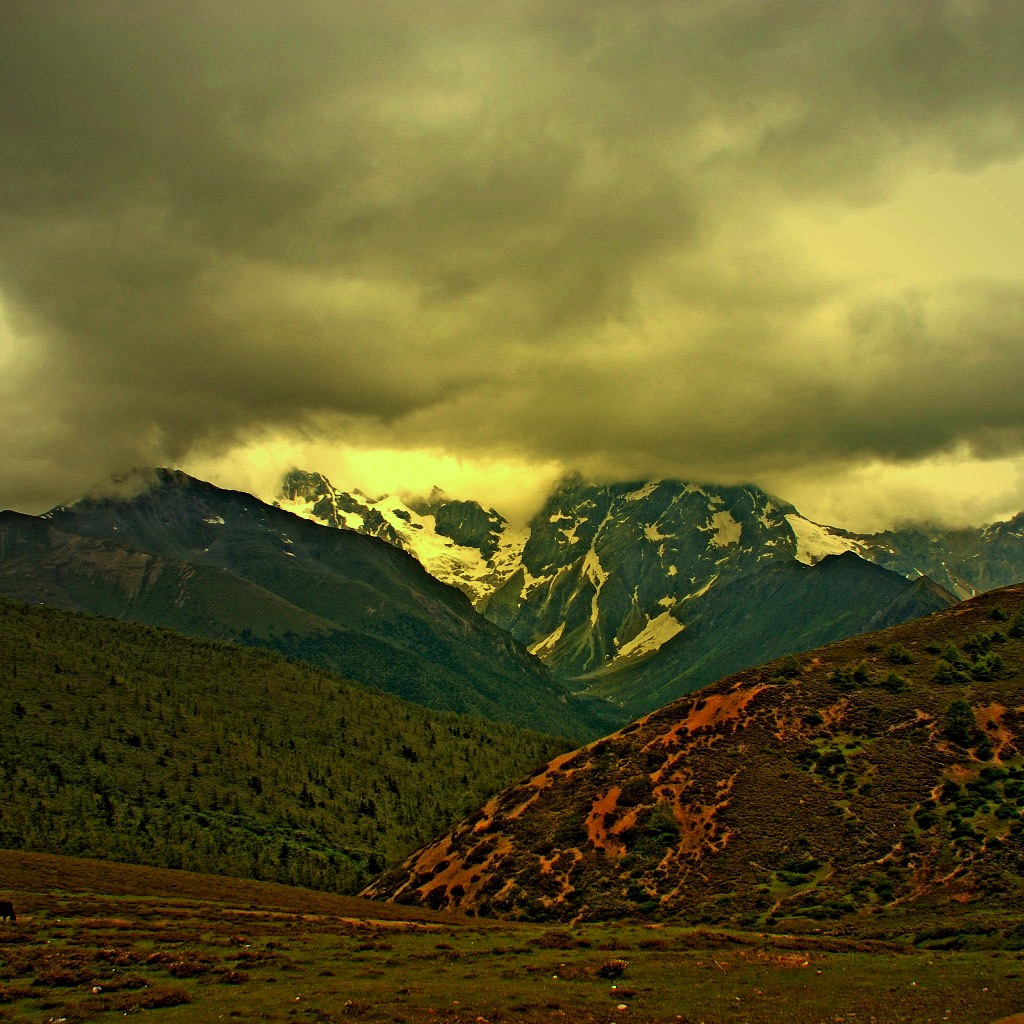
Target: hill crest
x: 833, y: 786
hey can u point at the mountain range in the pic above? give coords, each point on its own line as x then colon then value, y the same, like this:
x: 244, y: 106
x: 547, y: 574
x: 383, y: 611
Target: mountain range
x: 878, y: 776
x: 838, y: 782
x: 477, y: 550
x: 708, y: 578
x: 175, y: 551
x: 616, y: 599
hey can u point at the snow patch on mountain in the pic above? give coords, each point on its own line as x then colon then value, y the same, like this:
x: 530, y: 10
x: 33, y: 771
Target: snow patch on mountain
x: 701, y: 591
x: 412, y: 526
x: 652, y: 637
x: 570, y: 533
x: 541, y: 647
x: 814, y: 542
x: 597, y: 575
x: 643, y: 492
x: 531, y: 582
x: 725, y: 530
x: 651, y: 532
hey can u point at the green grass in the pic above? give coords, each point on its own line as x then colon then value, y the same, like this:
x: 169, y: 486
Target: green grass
x: 96, y: 941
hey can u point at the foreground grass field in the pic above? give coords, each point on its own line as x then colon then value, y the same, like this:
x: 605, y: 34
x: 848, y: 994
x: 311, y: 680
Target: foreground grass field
x: 95, y: 941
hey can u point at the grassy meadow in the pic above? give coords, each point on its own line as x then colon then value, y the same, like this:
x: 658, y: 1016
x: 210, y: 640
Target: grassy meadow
x: 95, y: 941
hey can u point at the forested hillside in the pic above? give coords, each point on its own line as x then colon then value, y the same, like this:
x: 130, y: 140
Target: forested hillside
x: 137, y: 744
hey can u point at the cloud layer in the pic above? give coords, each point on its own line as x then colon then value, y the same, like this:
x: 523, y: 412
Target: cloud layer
x: 581, y: 233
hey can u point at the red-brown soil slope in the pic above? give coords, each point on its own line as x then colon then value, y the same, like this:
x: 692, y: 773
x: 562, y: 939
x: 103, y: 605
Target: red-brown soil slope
x: 880, y: 772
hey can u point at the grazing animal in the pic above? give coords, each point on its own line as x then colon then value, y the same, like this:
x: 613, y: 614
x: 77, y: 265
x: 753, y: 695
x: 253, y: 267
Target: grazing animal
x: 7, y: 911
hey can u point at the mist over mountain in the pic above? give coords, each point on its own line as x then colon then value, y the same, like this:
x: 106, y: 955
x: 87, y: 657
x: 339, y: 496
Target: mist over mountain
x: 966, y: 561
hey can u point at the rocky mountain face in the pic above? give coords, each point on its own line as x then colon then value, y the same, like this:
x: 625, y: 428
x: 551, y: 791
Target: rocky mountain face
x: 608, y: 575
x: 185, y: 554
x: 832, y: 790
x: 611, y: 573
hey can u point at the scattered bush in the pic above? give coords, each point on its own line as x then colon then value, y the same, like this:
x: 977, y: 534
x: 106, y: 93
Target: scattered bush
x: 948, y: 674
x: 894, y: 683
x: 792, y: 878
x: 958, y: 724
x: 987, y: 667
x: 789, y: 667
x: 636, y: 790
x: 831, y: 762
x: 612, y: 969
x: 556, y: 939
x: 229, y: 977
x: 153, y: 998
x: 899, y: 655
x: 842, y: 678
x: 977, y: 643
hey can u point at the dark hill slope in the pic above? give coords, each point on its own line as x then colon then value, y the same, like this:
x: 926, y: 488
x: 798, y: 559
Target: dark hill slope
x: 42, y: 564
x: 136, y: 744
x: 216, y: 563
x: 786, y: 608
x: 847, y: 785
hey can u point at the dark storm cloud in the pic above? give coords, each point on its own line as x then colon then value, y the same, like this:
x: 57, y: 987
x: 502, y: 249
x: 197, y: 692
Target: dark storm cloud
x: 541, y: 228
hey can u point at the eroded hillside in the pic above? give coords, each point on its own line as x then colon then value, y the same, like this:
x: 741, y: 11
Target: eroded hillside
x: 875, y: 772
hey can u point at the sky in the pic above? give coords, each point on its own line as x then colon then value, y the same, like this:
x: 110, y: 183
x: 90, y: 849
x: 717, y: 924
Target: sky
x: 478, y: 245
